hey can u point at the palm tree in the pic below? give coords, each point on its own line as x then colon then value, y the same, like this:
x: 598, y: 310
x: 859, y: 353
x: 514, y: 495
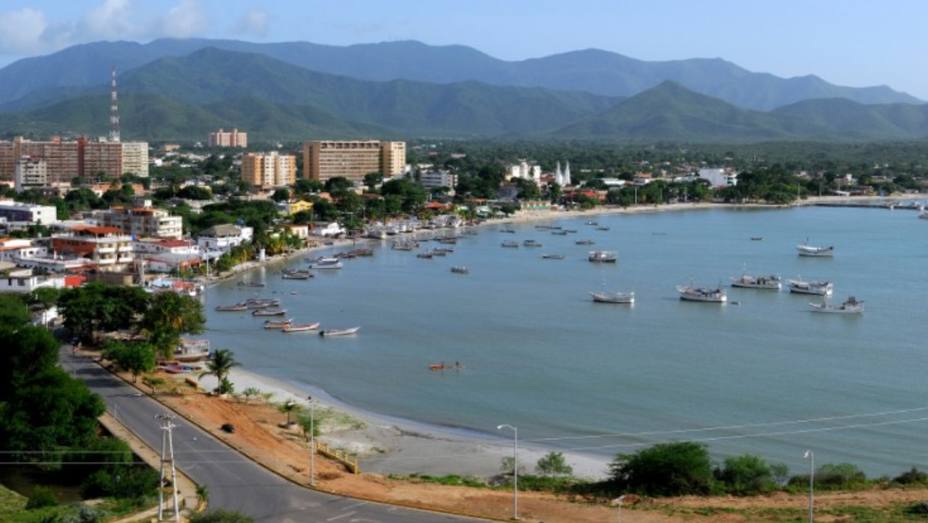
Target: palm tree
x: 219, y: 364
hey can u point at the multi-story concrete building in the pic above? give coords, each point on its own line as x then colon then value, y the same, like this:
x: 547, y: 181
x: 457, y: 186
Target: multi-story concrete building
x: 144, y: 222
x: 352, y: 159
x: 222, y: 237
x: 62, y: 158
x: 233, y: 138
x: 106, y: 247
x: 98, y: 158
x: 434, y: 179
x: 392, y: 158
x: 135, y: 158
x: 31, y: 173
x: 269, y: 170
x: 27, y: 213
x: 719, y: 177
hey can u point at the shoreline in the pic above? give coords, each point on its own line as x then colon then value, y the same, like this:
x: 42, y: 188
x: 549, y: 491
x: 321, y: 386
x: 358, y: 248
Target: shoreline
x: 394, y: 445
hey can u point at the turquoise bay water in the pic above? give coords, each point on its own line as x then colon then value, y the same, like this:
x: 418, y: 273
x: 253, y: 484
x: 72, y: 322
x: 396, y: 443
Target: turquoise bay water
x: 540, y: 355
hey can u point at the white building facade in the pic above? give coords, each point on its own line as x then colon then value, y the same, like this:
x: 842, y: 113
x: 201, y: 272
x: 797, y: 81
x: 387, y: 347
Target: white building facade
x: 31, y: 173
x: 719, y: 177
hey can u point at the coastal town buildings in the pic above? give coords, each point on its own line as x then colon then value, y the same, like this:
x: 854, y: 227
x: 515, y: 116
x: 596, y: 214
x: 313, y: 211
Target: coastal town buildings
x: 223, y: 237
x: 719, y: 177
x: 525, y: 171
x: 106, y: 248
x: 435, y: 179
x: 135, y: 158
x: 65, y: 160
x: 166, y: 255
x: 352, y: 159
x: 24, y: 281
x: 269, y: 170
x: 99, y: 159
x: 30, y: 173
x: 233, y: 138
x: 143, y: 222
x: 26, y: 213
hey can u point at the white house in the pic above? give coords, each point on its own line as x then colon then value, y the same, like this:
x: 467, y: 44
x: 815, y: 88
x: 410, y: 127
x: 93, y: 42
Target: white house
x: 24, y: 281
x: 719, y: 177
x: 330, y: 230
x: 223, y: 237
x: 27, y: 213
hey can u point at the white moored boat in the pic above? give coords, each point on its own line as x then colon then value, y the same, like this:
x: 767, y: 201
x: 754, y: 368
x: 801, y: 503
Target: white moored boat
x: 747, y: 281
x: 813, y: 251
x: 339, y: 332
x: 850, y: 306
x: 300, y: 327
x: 623, y: 298
x: 326, y: 263
x: 815, y: 288
x: 689, y: 293
x: 275, y: 324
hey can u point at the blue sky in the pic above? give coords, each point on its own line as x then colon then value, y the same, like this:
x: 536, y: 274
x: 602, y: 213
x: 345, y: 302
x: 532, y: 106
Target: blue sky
x: 850, y: 42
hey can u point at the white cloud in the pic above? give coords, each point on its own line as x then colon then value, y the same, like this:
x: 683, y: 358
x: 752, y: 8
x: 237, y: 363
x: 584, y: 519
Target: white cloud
x: 253, y: 23
x: 110, y: 19
x: 184, y: 20
x: 22, y: 30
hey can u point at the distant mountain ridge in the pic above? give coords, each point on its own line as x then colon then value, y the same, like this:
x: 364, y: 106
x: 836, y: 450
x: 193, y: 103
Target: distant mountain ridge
x: 182, y: 98
x: 591, y: 70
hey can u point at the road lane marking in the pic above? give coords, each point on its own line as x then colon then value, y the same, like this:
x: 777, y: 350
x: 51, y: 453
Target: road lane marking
x: 340, y: 516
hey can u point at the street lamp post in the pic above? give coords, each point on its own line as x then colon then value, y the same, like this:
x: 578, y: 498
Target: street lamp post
x: 515, y: 468
x: 312, y: 441
x: 809, y: 455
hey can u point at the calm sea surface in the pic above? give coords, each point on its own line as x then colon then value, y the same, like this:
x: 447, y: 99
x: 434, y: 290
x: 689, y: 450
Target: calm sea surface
x: 763, y: 376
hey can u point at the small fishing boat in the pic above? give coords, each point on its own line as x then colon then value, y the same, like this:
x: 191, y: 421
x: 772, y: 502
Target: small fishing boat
x: 425, y: 255
x: 249, y: 284
x: 850, y: 306
x: 325, y: 263
x: 815, y: 288
x: 508, y: 231
x: 592, y: 223
x: 622, y: 298
x: 559, y: 233
x: 405, y: 246
x: 602, y: 228
x: 531, y: 243
x: 300, y: 327
x: 510, y: 244
x: 571, y: 231
x: 329, y: 333
x: 584, y: 242
x: 448, y: 241
x: 747, y: 281
x: 923, y: 215
x: 296, y: 275
x: 441, y: 251
x: 812, y: 251
x: 552, y: 256
x: 689, y: 293
x: 757, y: 238
x: 238, y: 307
x: 543, y: 227
x: 602, y: 257
x: 460, y: 269
x: 269, y: 312
x: 277, y: 324
x: 261, y: 303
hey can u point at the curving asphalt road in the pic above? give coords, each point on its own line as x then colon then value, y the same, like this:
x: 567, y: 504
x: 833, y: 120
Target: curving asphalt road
x: 234, y: 481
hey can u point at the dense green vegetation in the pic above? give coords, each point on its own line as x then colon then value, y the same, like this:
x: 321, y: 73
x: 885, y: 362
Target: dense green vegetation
x: 49, y: 418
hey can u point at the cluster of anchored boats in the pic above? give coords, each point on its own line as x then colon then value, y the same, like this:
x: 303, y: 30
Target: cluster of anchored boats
x: 412, y: 244
x: 270, y: 307
x: 770, y: 282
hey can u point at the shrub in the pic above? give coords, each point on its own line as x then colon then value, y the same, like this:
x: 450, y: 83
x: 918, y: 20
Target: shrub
x: 746, y: 475
x: 665, y: 469
x: 553, y: 464
x: 121, y: 483
x: 220, y: 516
x: 843, y: 476
x: 918, y: 509
x: 41, y: 497
x: 912, y: 477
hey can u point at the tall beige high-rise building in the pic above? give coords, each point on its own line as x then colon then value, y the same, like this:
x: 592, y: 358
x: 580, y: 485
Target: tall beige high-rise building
x: 269, y: 170
x: 352, y: 159
x: 233, y: 138
x: 135, y: 158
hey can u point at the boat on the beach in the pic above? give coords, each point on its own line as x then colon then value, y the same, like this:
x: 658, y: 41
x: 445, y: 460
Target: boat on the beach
x: 748, y: 281
x: 238, y: 307
x: 602, y: 257
x: 815, y: 288
x: 701, y: 294
x: 296, y: 274
x: 191, y: 350
x: 300, y: 327
x: 339, y: 332
x: 584, y: 242
x: 510, y: 244
x: 277, y: 324
x: 622, y: 298
x: 552, y: 256
x: 813, y: 251
x: 269, y: 312
x: 531, y: 243
x: 460, y: 269
x: 850, y: 306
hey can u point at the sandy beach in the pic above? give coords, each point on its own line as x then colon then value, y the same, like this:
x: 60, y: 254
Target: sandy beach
x: 389, y: 445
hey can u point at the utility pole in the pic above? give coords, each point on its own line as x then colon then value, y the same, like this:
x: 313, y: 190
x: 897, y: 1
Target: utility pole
x: 167, y: 458
x: 312, y: 441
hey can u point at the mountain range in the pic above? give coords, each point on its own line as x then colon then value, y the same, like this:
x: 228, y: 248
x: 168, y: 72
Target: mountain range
x: 181, y: 89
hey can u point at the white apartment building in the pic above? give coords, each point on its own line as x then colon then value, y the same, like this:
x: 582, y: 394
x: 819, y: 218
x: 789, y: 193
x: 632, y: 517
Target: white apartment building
x: 434, y: 179
x: 223, y: 237
x: 135, y: 158
x: 525, y: 171
x: 30, y: 173
x: 16, y: 212
x: 719, y: 177
x: 144, y: 222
